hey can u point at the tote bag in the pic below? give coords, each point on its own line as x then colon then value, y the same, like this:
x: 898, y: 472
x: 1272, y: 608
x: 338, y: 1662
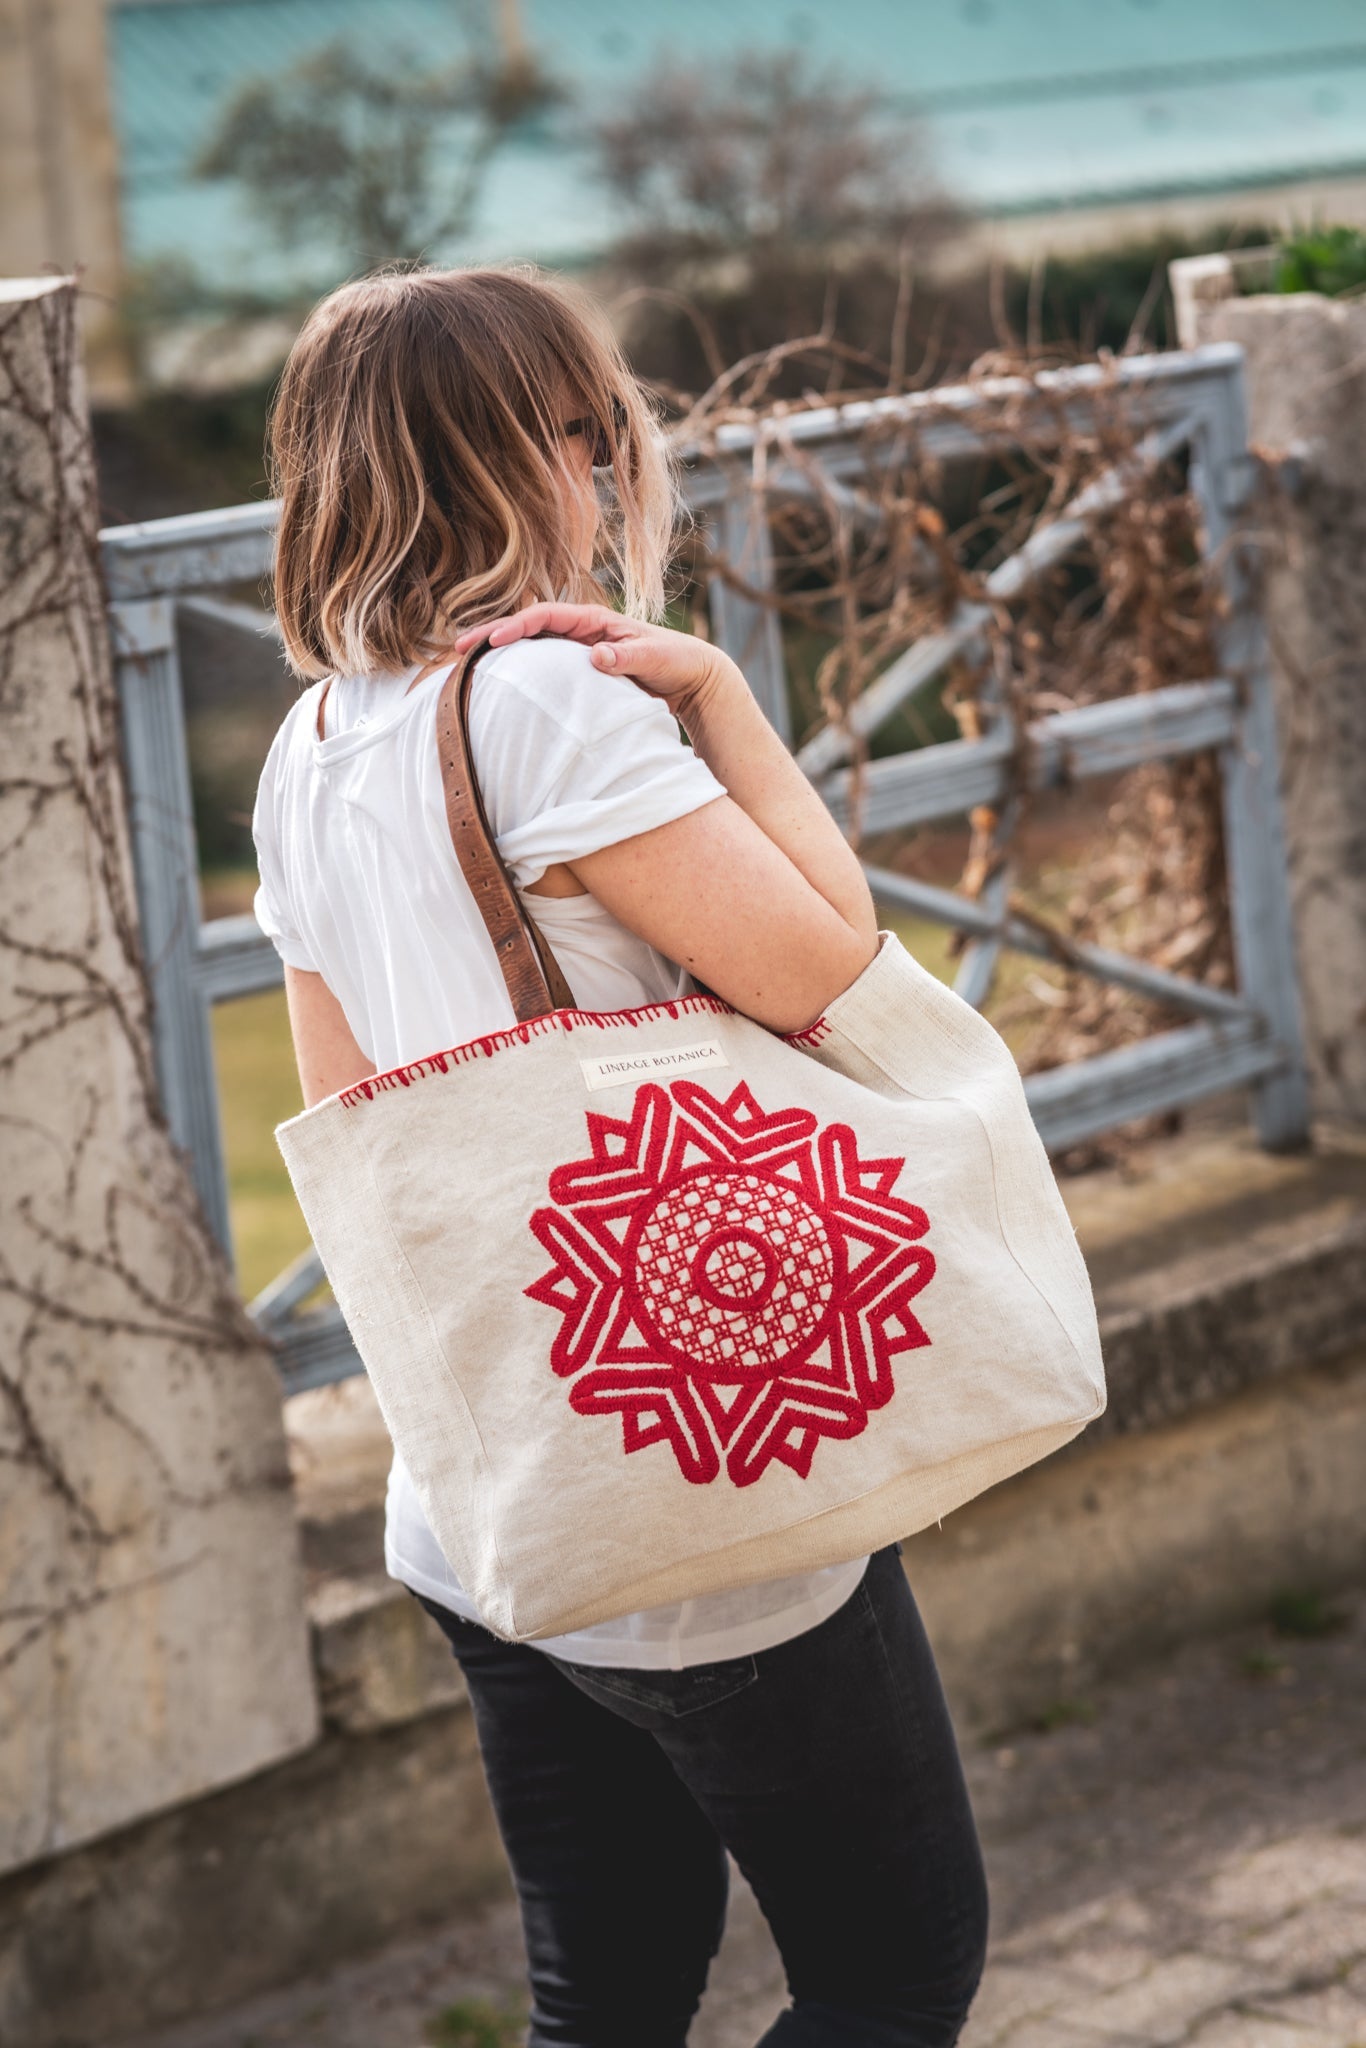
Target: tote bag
x: 660, y: 1303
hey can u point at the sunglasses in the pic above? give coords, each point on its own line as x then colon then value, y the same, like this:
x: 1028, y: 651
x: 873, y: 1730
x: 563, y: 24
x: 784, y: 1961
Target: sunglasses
x: 596, y: 434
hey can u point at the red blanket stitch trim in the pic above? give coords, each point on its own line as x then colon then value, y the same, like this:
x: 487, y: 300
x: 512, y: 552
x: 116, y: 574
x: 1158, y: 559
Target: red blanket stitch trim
x: 812, y: 1035
x: 519, y: 1034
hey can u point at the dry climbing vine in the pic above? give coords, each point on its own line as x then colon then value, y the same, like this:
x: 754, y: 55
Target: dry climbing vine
x: 125, y: 1358
x: 881, y: 558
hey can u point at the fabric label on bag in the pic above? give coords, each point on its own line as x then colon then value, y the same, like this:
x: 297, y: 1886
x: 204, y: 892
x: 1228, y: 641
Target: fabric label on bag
x: 619, y: 1068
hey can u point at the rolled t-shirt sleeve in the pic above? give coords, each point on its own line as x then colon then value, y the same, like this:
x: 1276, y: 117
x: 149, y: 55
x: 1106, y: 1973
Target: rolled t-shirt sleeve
x: 579, y: 760
x: 277, y: 928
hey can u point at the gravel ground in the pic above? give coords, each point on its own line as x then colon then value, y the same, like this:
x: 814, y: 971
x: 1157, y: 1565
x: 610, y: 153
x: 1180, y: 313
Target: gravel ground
x: 1179, y: 1859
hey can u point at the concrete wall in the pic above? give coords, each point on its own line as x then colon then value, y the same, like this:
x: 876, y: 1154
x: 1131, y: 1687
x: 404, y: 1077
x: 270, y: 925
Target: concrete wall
x: 153, y: 1640
x: 59, y: 164
x: 1031, y: 1594
x: 1306, y: 384
x: 1066, y: 232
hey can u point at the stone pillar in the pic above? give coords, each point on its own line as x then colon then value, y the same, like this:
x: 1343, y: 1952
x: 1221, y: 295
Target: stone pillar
x: 1306, y: 385
x: 153, y: 1640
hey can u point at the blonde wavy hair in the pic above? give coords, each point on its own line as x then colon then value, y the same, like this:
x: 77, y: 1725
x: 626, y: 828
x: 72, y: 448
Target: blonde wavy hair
x: 417, y: 448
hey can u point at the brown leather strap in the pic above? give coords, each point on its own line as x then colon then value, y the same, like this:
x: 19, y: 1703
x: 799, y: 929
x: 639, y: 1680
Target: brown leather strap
x: 534, y: 980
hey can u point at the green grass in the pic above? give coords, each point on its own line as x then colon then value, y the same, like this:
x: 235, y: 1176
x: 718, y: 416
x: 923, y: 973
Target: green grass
x: 473, y: 2023
x: 257, y: 1089
x: 1261, y: 1664
x: 1063, y: 1714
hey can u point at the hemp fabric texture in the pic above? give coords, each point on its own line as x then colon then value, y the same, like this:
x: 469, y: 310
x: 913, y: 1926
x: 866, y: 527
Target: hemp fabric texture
x: 660, y: 1303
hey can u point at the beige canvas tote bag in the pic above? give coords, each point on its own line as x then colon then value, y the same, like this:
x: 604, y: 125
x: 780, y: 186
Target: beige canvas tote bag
x: 660, y: 1303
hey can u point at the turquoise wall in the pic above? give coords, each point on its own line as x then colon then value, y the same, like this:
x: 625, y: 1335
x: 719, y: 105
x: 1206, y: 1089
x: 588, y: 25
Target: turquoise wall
x: 1023, y: 103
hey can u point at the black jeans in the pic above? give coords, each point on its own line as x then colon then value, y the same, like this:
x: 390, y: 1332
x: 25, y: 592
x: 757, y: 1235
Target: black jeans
x: 827, y: 1766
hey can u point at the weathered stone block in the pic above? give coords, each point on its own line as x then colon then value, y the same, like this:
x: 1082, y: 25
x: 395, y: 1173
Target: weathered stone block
x: 1306, y: 391
x: 153, y: 1641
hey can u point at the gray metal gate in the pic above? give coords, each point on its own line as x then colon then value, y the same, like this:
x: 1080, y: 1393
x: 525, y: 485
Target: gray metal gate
x: 1192, y: 401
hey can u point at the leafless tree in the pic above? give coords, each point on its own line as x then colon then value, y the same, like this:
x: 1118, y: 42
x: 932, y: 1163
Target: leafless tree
x: 768, y: 160
x: 385, y: 164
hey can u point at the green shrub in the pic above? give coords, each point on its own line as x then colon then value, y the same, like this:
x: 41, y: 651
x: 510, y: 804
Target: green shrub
x: 1306, y: 1614
x: 1329, y: 260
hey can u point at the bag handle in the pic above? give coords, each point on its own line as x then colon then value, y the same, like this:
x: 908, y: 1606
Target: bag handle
x: 533, y: 976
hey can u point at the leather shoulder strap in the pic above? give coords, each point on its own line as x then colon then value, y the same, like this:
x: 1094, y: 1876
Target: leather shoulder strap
x: 534, y: 980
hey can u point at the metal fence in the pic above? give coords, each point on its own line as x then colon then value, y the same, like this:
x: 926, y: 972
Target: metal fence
x: 1188, y: 401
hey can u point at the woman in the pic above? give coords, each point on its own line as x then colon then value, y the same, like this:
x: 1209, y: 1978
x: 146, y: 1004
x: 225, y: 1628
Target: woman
x: 435, y: 438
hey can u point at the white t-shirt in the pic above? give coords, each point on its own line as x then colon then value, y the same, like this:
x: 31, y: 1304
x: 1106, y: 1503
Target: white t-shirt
x: 360, y: 883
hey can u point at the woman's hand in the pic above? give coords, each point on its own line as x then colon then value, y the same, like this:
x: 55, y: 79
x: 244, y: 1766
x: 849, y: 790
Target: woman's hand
x: 683, y: 670
x: 756, y: 893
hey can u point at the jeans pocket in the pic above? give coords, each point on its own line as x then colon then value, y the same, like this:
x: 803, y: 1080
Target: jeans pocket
x: 670, y: 1694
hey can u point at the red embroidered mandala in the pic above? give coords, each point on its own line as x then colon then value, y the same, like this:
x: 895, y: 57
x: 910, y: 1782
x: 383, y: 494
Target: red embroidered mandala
x: 732, y: 1282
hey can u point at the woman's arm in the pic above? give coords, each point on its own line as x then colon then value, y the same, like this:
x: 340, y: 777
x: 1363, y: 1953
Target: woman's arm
x: 324, y: 1047
x: 757, y: 894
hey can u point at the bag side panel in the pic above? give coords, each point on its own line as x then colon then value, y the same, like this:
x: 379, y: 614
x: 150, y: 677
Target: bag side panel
x: 952, y: 1050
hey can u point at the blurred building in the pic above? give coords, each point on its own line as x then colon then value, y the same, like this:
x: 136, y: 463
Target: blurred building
x: 59, y: 185
x: 1059, y: 123
x: 1058, y: 113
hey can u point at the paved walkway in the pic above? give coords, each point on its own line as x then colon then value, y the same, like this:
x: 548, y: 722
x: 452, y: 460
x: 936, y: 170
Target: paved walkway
x: 1181, y: 1860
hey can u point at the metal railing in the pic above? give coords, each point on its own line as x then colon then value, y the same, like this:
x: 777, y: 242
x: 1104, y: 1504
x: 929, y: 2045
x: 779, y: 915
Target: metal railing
x: 1188, y: 401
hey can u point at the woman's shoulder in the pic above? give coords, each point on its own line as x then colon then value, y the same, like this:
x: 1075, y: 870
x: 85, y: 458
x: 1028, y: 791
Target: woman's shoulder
x: 553, y: 683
